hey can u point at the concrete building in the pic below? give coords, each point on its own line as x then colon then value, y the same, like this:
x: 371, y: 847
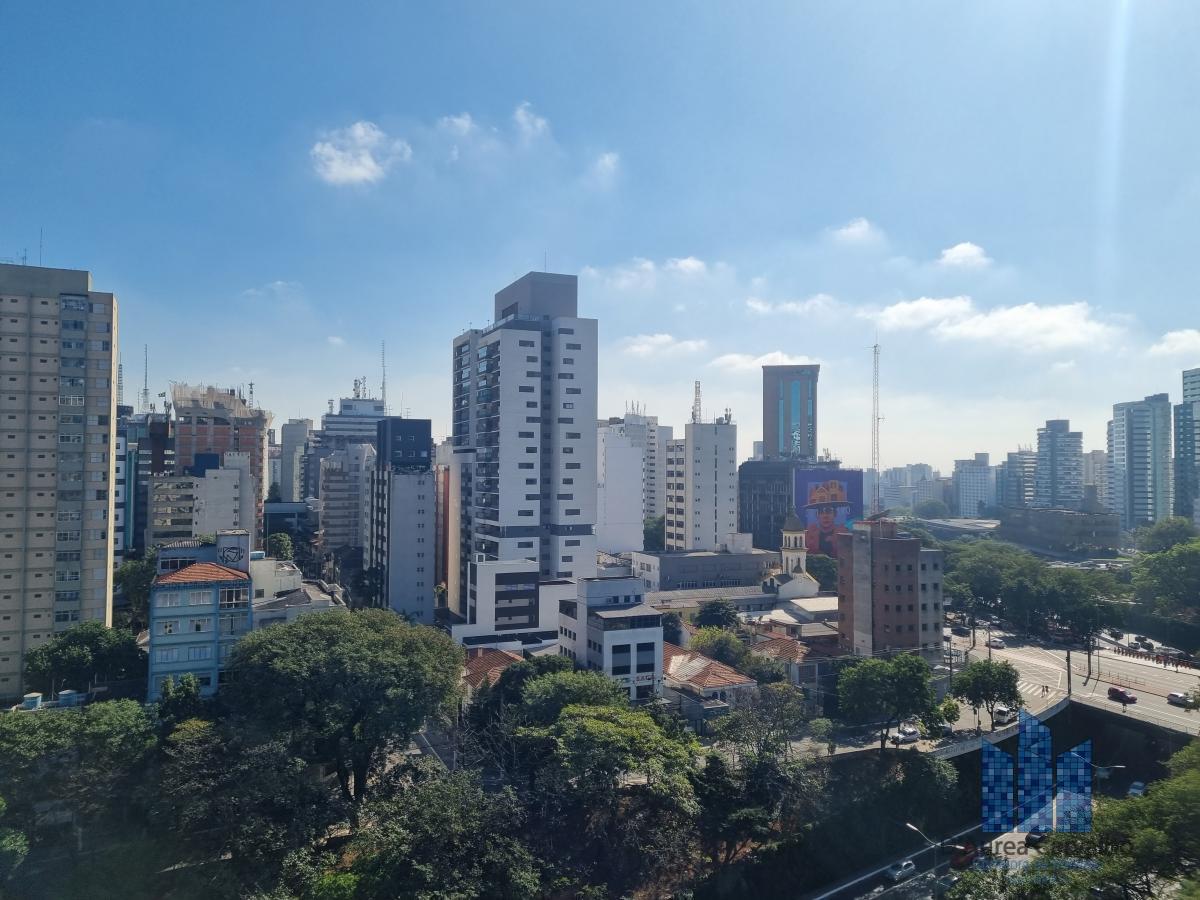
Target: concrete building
x: 209, y: 420
x: 889, y: 591
x: 974, y: 485
x: 1058, y: 478
x: 203, y: 502
x: 288, y: 606
x: 790, y: 412
x: 1187, y: 449
x: 507, y: 607
x: 1016, y: 479
x: 57, y: 463
x: 355, y: 422
x: 645, y: 433
x: 402, y: 539
x: 605, y: 625
x: 735, y: 563
x: 766, y: 497
x: 1139, y: 461
x: 345, y: 497
x: 1095, y: 475
x: 702, y: 485
x: 150, y: 451
x: 524, y: 401
x: 1061, y: 530
x: 294, y: 436
x: 620, y: 473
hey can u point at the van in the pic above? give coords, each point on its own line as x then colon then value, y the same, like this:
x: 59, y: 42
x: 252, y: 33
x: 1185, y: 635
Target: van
x: 1003, y: 715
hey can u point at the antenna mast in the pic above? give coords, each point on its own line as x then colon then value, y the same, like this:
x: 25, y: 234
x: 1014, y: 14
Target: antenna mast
x: 876, y: 505
x: 383, y: 367
x: 120, y: 382
x: 145, y: 378
x: 697, y: 415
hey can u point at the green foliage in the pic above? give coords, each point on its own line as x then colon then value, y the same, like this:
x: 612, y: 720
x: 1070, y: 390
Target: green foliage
x: 654, y: 534
x: 1169, y: 582
x: 931, y: 509
x: 133, y: 579
x: 824, y: 569
x: 83, y: 654
x: 672, y: 624
x: 822, y: 731
x: 730, y: 819
x: 887, y: 691
x: 719, y: 644
x: 546, y: 696
x: 986, y: 684
x: 13, y: 848
x: 443, y: 838
x: 1164, y: 535
x: 990, y: 576
x: 279, y: 546
x: 719, y: 613
x: 765, y: 726
x: 347, y: 687
x: 181, y: 701
x: 762, y: 669
x: 274, y: 495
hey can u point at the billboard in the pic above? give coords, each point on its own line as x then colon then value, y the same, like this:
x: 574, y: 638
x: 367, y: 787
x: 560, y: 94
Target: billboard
x: 827, y: 501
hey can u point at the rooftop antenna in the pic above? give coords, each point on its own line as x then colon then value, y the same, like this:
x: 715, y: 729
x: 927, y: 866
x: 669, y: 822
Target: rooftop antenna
x: 383, y: 367
x: 696, y: 414
x: 40, y: 245
x: 876, y: 501
x: 145, y: 378
x: 250, y: 401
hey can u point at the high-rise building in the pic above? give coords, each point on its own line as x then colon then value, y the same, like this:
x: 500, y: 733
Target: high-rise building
x: 58, y: 468
x: 702, y: 485
x: 207, y: 499
x: 355, y: 420
x: 1058, y: 477
x: 1187, y: 448
x: 216, y: 421
x: 790, y: 412
x: 345, y: 498
x: 1095, y: 475
x: 645, y: 433
x: 620, y: 470
x: 1139, y: 461
x: 1016, y: 479
x: 402, y: 541
x: 974, y: 485
x: 1191, y: 385
x: 889, y: 591
x: 524, y: 401
x: 293, y: 440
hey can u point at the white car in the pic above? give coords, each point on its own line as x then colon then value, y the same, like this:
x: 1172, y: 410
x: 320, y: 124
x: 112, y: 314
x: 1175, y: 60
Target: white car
x: 1137, y: 789
x: 996, y: 643
x: 1003, y: 715
x: 900, y: 871
x: 1177, y: 699
x: 906, y: 734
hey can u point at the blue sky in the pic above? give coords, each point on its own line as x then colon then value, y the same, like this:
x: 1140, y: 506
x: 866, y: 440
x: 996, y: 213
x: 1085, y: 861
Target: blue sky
x: 1006, y: 194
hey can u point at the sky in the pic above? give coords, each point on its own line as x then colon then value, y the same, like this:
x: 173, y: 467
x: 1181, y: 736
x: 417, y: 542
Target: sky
x: 1003, y: 195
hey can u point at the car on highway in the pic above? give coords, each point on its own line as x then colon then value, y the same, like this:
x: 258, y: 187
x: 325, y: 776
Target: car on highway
x: 1124, y: 695
x: 901, y: 871
x: 1116, y: 633
x: 996, y: 643
x: 906, y: 734
x: 1176, y: 698
x: 1137, y: 789
x: 1139, y: 638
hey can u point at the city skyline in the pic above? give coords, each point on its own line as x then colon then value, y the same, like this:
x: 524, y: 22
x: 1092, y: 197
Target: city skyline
x: 382, y: 193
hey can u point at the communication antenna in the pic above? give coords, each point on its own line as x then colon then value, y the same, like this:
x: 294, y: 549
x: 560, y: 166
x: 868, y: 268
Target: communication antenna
x: 696, y: 413
x: 145, y: 378
x: 876, y: 504
x: 120, y: 383
x: 250, y: 400
x: 383, y: 367
x: 39, y: 245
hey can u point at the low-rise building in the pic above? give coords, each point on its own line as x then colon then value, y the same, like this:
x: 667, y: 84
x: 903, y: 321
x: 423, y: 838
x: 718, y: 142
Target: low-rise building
x: 307, y: 597
x: 485, y: 666
x: 1061, y: 530
x: 701, y: 688
x: 506, y: 607
x: 734, y: 564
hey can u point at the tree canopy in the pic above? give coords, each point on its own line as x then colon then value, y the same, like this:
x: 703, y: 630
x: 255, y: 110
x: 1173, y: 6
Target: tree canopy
x: 654, y: 534
x: 887, y: 691
x: 719, y: 613
x: 931, y: 509
x: 82, y: 655
x: 1168, y: 582
x: 1162, y: 536
x: 986, y: 684
x: 279, y: 546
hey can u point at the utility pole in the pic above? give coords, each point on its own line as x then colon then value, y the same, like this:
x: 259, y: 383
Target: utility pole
x: 1068, y: 672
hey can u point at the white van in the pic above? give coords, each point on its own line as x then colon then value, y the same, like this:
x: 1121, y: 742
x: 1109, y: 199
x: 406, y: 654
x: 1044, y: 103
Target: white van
x: 1004, y: 715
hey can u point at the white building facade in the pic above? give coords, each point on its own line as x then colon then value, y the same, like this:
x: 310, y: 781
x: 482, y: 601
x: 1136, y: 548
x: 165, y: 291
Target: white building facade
x: 702, y: 486
x: 1139, y: 461
x: 620, y: 468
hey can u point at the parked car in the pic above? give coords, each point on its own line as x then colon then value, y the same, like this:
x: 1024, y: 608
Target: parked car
x: 901, y: 871
x: 1137, y: 789
x: 996, y: 643
x: 906, y: 734
x: 1175, y: 698
x: 961, y: 630
x: 1116, y: 633
x: 1124, y: 695
x: 1003, y: 715
x: 1140, y: 638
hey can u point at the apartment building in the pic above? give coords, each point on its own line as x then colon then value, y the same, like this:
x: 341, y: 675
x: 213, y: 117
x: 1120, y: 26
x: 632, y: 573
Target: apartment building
x: 1139, y: 461
x: 702, y: 485
x: 1058, y: 475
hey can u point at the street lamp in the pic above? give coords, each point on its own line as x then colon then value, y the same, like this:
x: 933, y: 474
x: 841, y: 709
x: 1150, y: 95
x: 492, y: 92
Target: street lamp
x: 934, y: 845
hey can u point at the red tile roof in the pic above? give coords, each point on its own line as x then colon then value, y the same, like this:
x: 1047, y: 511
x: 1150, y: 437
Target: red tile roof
x: 202, y: 573
x: 783, y: 649
x: 698, y: 670
x: 488, y: 666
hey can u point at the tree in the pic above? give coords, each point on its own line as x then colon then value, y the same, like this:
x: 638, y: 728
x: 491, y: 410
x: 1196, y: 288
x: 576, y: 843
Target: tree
x: 13, y: 848
x: 133, y: 579
x: 719, y: 613
x: 729, y: 820
x: 822, y: 732
x: 181, y: 701
x: 1169, y: 582
x: 989, y: 576
x: 766, y: 726
x: 545, y: 697
x: 824, y: 569
x: 931, y: 509
x: 279, y: 546
x: 83, y: 655
x: 986, y: 684
x: 654, y: 534
x: 348, y: 687
x: 444, y: 837
x: 886, y: 690
x: 762, y: 669
x: 1164, y: 535
x: 672, y: 624
x: 1071, y: 597
x: 368, y: 587
x: 719, y: 644
x: 273, y: 494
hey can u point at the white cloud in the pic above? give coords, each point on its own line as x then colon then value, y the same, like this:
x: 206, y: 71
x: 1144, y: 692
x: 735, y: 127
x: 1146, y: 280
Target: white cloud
x: 274, y: 289
x: 817, y: 304
x: 1173, y: 343
x: 964, y: 256
x: 530, y: 126
x: 461, y: 125
x: 1065, y: 365
x: 661, y: 345
x: 335, y: 341
x: 603, y: 172
x: 639, y: 274
x: 359, y: 154
x: 857, y: 231
x: 1027, y: 326
x: 746, y: 362
x: 688, y: 265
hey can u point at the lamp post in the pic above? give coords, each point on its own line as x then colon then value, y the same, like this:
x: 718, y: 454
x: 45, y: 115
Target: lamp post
x: 934, y: 845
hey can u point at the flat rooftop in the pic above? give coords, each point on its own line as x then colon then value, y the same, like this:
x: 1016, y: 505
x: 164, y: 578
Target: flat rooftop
x: 623, y: 612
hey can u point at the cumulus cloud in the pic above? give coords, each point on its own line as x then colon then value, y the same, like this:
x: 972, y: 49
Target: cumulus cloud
x: 274, y: 289
x: 604, y: 170
x: 747, y: 362
x: 688, y: 265
x: 856, y: 231
x: 641, y: 274
x: 461, y: 125
x: 359, y: 154
x: 1176, y: 343
x: 1025, y: 327
x: 530, y: 126
x: 964, y: 256
x: 817, y: 304
x: 647, y: 345
x: 335, y: 341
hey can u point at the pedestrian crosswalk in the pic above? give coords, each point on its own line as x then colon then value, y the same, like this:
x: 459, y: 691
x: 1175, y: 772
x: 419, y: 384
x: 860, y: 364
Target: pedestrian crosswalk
x: 1035, y: 689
